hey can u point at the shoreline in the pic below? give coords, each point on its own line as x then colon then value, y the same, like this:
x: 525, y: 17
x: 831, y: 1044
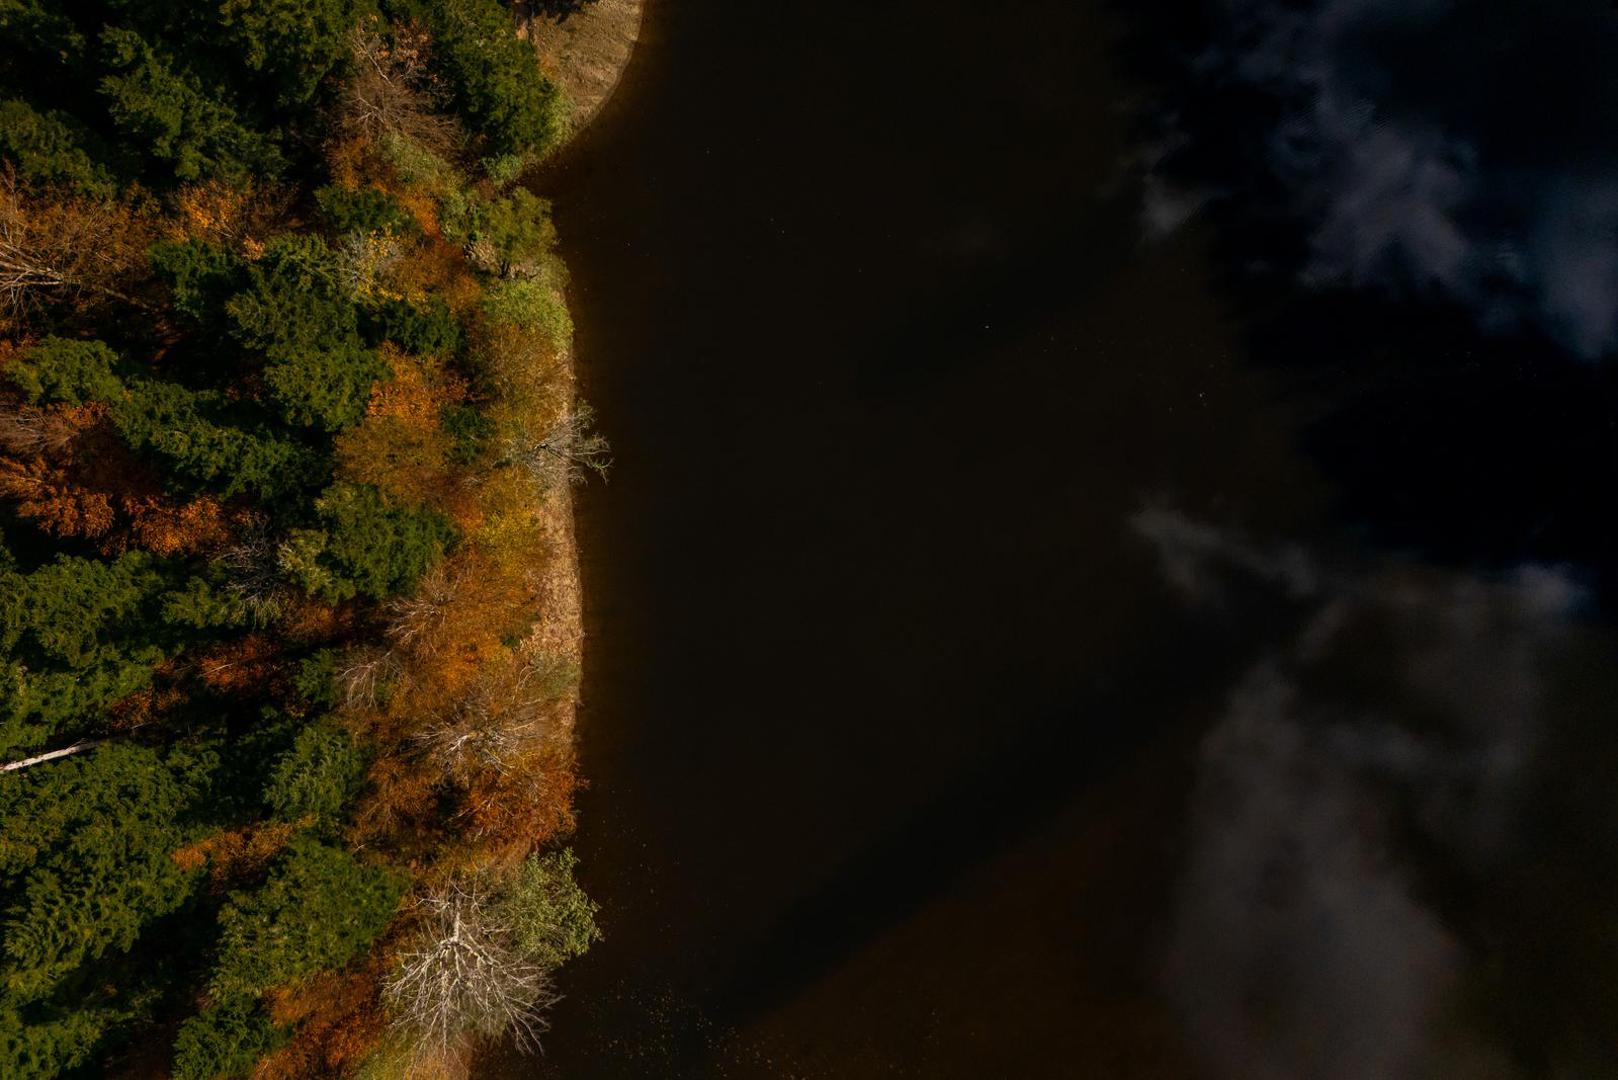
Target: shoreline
x: 585, y: 53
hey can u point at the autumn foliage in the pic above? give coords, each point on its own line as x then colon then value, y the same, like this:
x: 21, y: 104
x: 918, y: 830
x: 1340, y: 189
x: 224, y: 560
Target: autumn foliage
x: 286, y: 433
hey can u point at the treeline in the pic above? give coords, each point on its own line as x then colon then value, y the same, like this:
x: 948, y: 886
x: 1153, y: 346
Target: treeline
x: 285, y: 421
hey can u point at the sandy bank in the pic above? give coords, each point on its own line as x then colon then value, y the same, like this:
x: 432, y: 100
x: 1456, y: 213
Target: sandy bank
x: 588, y: 52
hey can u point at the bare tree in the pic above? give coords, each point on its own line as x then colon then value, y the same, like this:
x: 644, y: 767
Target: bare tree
x: 497, y: 727
x: 568, y: 453
x: 415, y: 619
x: 365, y: 261
x: 63, y: 246
x: 28, y: 430
x: 365, y: 674
x: 463, y: 975
x: 390, y: 93
x: 253, y: 571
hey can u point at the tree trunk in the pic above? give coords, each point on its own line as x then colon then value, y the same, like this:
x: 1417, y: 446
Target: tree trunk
x: 39, y: 759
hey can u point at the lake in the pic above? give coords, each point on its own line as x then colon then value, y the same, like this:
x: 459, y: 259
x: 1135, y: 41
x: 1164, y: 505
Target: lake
x: 895, y: 724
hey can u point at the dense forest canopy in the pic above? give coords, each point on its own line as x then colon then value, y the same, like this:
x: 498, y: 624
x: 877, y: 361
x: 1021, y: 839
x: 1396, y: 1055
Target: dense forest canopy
x: 283, y: 409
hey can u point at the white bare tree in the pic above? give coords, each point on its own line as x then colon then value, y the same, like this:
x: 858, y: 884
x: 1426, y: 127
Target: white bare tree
x: 566, y: 454
x: 413, y: 619
x: 462, y: 974
x: 364, y: 674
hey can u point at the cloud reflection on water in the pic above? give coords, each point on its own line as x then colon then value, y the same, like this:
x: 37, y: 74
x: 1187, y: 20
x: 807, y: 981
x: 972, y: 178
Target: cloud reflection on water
x: 1433, y: 147
x: 1392, y: 749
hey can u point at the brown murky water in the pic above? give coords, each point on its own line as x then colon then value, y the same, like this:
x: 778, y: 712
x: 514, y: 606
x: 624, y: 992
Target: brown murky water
x: 888, y: 713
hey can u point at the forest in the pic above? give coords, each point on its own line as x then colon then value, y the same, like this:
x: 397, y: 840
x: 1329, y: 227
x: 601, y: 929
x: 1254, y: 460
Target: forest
x: 286, y: 425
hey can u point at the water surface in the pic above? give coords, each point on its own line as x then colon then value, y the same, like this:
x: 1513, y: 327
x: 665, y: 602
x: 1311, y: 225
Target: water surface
x: 892, y: 717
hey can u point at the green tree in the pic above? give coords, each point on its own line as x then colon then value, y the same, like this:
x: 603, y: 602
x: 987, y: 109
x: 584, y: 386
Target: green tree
x: 174, y: 117
x: 297, y: 43
x: 320, y: 908
x: 75, y: 636
x: 374, y: 548
x: 204, y: 435
x: 207, y: 439
x: 225, y: 1041
x: 41, y: 39
x: 202, y: 276
x: 41, y: 1041
x: 297, y: 311
x: 318, y: 776
x: 201, y: 604
x: 67, y: 371
x: 48, y: 147
x: 494, y: 80
x: 84, y: 858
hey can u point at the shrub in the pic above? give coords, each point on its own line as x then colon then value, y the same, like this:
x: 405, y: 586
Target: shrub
x: 505, y: 168
x: 512, y: 236
x: 532, y: 306
x: 469, y: 430
x: 429, y: 329
x: 554, y: 920
x: 416, y: 164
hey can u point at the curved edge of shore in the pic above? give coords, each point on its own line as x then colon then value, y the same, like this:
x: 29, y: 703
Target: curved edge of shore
x: 586, y: 53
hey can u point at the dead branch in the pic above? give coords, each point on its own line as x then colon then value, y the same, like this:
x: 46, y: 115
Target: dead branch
x: 67, y: 246
x: 566, y: 454
x: 462, y: 975
x: 497, y: 727
x: 390, y: 93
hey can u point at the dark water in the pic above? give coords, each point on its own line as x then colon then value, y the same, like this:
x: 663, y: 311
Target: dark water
x: 894, y: 722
